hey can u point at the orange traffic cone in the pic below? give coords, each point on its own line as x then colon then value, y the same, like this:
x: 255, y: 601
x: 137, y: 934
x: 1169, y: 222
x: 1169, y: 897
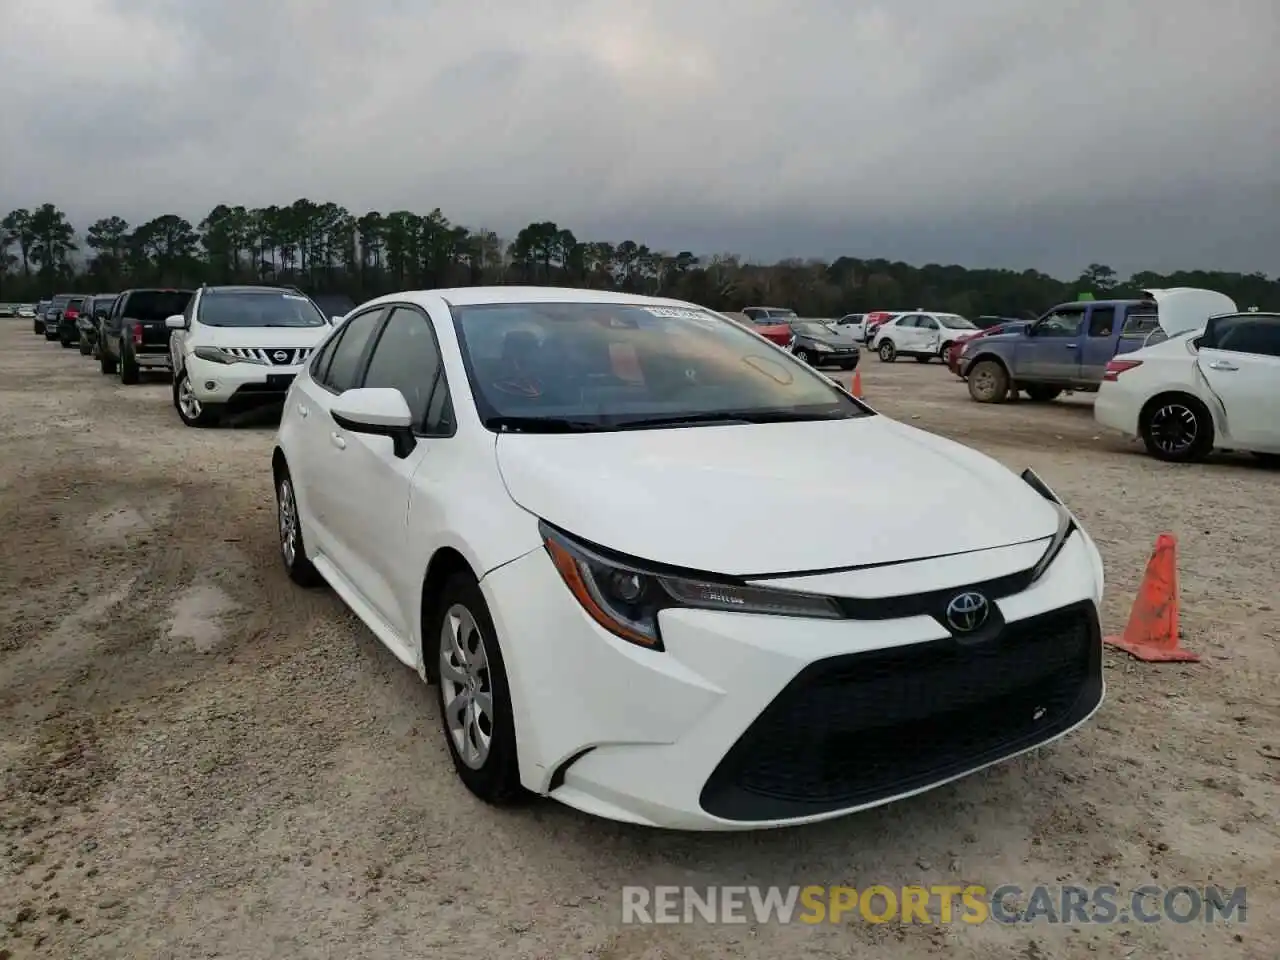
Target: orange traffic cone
x: 1152, y: 631
x: 857, y: 384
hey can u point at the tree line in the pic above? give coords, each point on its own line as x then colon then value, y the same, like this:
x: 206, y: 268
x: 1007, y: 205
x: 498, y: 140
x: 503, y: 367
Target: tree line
x: 324, y: 249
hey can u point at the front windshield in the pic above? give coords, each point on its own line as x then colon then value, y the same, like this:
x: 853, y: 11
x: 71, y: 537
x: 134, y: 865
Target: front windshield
x: 953, y: 322
x: 258, y: 308
x: 810, y: 329
x: 607, y: 366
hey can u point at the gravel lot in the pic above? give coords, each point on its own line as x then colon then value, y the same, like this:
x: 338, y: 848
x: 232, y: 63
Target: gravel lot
x: 200, y: 760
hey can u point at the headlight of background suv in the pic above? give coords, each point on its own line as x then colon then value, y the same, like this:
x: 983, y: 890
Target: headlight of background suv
x: 626, y: 597
x: 218, y: 355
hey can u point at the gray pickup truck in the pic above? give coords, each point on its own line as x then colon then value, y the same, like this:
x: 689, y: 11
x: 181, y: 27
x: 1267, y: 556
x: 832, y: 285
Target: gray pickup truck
x: 1066, y: 349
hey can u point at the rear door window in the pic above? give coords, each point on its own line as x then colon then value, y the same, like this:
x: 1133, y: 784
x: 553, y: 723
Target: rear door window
x: 149, y: 305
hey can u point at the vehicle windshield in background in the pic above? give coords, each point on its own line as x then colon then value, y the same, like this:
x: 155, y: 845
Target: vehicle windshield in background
x: 102, y: 306
x: 590, y: 366
x: 156, y: 304
x: 954, y: 322
x: 259, y: 308
x: 778, y: 316
x: 75, y: 303
x: 812, y: 329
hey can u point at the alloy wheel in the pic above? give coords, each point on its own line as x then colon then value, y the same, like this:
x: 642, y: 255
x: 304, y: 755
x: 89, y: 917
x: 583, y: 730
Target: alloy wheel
x: 288, y: 515
x: 466, y: 686
x: 187, y: 401
x: 1174, y: 428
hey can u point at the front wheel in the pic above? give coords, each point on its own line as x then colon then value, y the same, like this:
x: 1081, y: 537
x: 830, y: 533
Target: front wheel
x: 888, y: 352
x: 190, y: 409
x: 292, y: 550
x: 474, y: 696
x: 804, y: 356
x: 1177, y: 429
x: 106, y: 362
x: 988, y: 382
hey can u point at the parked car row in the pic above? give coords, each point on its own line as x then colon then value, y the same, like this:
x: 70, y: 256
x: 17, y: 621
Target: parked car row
x: 504, y: 481
x: 225, y: 347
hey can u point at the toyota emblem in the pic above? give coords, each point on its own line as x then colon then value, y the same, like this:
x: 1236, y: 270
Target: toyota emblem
x: 280, y: 356
x: 967, y: 612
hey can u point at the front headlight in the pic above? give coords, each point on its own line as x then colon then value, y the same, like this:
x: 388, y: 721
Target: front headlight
x: 625, y: 597
x: 822, y: 348
x: 1067, y: 524
x: 218, y: 355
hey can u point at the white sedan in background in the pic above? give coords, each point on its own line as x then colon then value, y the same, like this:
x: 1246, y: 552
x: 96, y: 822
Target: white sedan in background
x: 573, y: 511
x: 1215, y: 386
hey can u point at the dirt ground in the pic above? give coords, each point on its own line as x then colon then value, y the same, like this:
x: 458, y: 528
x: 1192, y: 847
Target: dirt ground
x: 200, y: 760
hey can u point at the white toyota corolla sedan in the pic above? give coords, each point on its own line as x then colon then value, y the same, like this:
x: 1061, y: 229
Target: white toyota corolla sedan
x: 623, y: 536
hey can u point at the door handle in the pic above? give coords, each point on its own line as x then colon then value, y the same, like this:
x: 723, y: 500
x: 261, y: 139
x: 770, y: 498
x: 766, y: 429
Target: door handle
x: 1071, y: 346
x: 1222, y: 365
x: 338, y: 441
x: 303, y: 410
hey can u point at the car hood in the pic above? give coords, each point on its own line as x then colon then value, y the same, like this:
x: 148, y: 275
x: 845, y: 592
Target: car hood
x: 773, y: 498
x: 262, y: 336
x: 1187, y: 308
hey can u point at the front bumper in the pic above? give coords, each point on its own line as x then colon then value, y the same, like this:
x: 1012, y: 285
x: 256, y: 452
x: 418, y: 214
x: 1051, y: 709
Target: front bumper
x: 238, y: 382
x: 750, y: 721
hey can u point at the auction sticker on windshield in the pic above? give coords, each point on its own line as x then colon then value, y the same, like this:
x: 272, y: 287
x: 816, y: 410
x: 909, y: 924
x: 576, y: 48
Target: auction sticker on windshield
x: 679, y: 313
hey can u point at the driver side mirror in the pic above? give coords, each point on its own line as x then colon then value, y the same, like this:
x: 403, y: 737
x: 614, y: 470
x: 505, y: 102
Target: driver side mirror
x: 336, y: 319
x: 377, y: 412
x: 176, y: 322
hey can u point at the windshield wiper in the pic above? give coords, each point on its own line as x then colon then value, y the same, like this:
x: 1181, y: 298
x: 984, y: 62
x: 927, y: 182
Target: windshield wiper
x: 542, y: 425
x: 730, y: 417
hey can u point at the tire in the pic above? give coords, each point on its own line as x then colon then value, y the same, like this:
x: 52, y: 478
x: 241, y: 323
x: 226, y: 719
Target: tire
x: 887, y: 351
x: 804, y: 356
x: 1176, y: 428
x: 106, y: 362
x: 67, y: 342
x: 191, y: 411
x: 942, y: 353
x: 38, y: 327
x: 85, y: 347
x: 293, y: 551
x: 1042, y: 394
x: 988, y: 382
x: 129, y: 372
x: 461, y: 618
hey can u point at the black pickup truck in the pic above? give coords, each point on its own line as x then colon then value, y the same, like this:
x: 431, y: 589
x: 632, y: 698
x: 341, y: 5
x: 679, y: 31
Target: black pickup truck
x: 134, y: 337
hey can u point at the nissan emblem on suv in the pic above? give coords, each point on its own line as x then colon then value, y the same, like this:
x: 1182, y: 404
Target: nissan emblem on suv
x: 280, y: 356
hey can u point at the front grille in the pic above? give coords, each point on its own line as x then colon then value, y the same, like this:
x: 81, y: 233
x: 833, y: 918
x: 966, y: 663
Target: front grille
x: 855, y: 729
x: 276, y: 356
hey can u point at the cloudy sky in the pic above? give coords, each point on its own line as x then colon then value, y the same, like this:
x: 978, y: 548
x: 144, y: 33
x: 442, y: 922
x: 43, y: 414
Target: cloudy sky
x: 1020, y: 133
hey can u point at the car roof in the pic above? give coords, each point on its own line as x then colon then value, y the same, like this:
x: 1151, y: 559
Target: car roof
x: 480, y: 296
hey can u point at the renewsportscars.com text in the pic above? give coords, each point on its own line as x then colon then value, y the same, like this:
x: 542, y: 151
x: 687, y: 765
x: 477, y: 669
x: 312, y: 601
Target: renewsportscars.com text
x: 973, y: 904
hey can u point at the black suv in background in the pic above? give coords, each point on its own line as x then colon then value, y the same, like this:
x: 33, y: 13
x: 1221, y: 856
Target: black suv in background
x: 133, y: 336
x: 68, y: 329
x: 52, y: 314
x: 38, y: 323
x: 92, y: 312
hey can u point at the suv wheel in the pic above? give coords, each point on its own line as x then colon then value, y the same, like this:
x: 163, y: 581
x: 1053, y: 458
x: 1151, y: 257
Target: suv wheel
x: 190, y: 409
x: 888, y: 352
x: 988, y: 382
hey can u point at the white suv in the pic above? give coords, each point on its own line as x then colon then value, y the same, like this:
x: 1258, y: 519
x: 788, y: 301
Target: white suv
x: 920, y: 335
x: 240, y: 346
